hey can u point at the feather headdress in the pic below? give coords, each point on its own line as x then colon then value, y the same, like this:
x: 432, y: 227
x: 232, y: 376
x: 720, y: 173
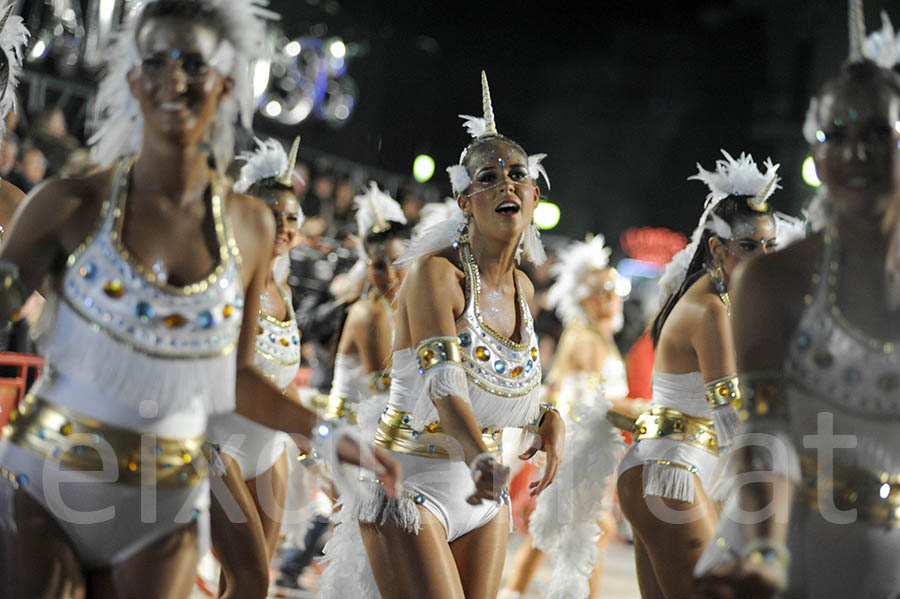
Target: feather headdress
x: 572, y: 267
x: 268, y: 160
x: 375, y: 210
x: 732, y: 177
x: 13, y: 36
x: 882, y: 47
x: 117, y: 121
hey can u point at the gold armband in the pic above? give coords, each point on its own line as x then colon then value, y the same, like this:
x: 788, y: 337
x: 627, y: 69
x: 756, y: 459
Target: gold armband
x: 12, y: 291
x: 434, y: 350
x: 533, y: 426
x: 724, y: 391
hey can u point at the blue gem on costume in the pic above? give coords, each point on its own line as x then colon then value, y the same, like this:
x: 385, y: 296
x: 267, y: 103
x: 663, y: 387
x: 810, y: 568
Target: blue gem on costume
x: 272, y: 337
x: 182, y: 476
x: 144, y: 311
x: 499, y: 367
x: 88, y: 271
x: 529, y: 365
x: 420, y: 499
x: 465, y: 339
x: 323, y: 430
x: 431, y: 449
x: 205, y: 319
x: 406, y: 419
x: 852, y: 376
x: 57, y: 453
x: 239, y: 302
x: 41, y: 433
x: 22, y: 480
x: 803, y: 341
x: 415, y: 434
x: 295, y: 340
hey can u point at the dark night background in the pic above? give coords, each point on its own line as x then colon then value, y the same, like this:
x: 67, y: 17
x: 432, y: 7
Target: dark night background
x: 624, y: 97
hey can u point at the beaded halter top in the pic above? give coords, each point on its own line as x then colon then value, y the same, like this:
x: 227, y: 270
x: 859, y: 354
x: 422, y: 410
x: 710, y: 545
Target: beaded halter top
x: 491, y: 361
x: 116, y: 327
x: 277, y: 347
x: 835, y: 362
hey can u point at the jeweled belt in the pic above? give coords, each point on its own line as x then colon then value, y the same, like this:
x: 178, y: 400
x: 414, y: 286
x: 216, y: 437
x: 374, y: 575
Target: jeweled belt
x: 874, y: 495
x: 340, y: 408
x: 395, y: 433
x: 668, y: 423
x: 54, y: 432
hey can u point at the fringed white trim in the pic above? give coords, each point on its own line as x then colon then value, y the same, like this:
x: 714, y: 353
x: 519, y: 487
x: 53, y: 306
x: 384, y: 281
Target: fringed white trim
x: 727, y: 424
x: 441, y: 380
x: 667, y: 481
x: 91, y: 357
x: 348, y: 573
x: 565, y: 520
x: 325, y: 443
x: 372, y: 504
x: 368, y: 415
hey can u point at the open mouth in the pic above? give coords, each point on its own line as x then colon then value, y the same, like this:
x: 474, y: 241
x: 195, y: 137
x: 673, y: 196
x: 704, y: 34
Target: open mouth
x: 508, y: 208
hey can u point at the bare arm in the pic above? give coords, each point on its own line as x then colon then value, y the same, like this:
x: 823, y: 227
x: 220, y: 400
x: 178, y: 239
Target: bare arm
x: 713, y: 340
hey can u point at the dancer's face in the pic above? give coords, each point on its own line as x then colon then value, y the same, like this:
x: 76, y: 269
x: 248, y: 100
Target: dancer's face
x: 604, y: 301
x: 384, y: 275
x: 176, y: 84
x: 502, y: 196
x: 859, y: 158
x: 750, y: 238
x: 287, y: 222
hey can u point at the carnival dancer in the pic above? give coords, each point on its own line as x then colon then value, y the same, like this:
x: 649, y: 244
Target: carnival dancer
x: 254, y: 456
x: 465, y: 365
x: 665, y: 475
x: 588, y: 374
x: 156, y: 273
x: 362, y: 368
x: 362, y: 364
x: 817, y: 331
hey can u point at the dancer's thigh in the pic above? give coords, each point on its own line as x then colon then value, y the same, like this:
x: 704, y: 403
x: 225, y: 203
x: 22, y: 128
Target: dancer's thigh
x: 407, y: 565
x: 480, y: 555
x: 674, y: 533
x: 269, y: 490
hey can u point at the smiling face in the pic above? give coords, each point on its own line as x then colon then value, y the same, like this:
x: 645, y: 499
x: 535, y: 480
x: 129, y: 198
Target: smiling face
x: 286, y: 210
x: 176, y: 85
x: 857, y: 155
x: 502, y: 196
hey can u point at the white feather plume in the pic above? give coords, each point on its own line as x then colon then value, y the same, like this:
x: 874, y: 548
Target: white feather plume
x: 475, y: 125
x: 531, y: 246
x: 12, y: 40
x: 435, y: 213
x: 535, y: 168
x: 789, y: 229
x: 737, y: 177
x: 376, y: 206
x: 268, y: 160
x: 117, y: 121
x: 811, y: 122
x: 882, y: 46
x: 572, y: 266
x: 435, y: 237
x: 459, y: 178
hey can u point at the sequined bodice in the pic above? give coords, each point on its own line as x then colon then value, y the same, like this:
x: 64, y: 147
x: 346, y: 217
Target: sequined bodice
x: 491, y: 361
x: 277, y: 347
x: 830, y: 360
x: 106, y: 286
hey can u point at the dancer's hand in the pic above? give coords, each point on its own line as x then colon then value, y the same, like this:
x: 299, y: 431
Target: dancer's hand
x: 490, y: 477
x: 375, y: 459
x: 741, y: 580
x: 551, y: 439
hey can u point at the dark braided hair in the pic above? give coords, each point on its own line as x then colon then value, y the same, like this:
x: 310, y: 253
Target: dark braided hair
x: 734, y: 210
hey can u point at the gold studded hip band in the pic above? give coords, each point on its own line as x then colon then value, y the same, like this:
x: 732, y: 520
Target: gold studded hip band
x: 53, y: 432
x: 658, y: 423
x: 395, y: 433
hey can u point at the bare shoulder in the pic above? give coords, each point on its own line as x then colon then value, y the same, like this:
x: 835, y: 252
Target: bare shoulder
x: 525, y: 285
x: 437, y: 272
x: 251, y: 213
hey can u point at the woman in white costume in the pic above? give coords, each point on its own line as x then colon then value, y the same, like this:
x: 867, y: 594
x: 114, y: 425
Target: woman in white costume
x: 362, y: 364
x: 156, y: 273
x: 665, y: 475
x: 254, y: 455
x: 587, y: 368
x: 465, y: 365
x: 818, y: 331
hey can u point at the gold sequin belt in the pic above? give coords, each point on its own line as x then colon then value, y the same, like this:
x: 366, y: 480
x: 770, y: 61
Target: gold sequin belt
x: 54, y: 432
x: 395, y: 433
x: 874, y: 495
x: 340, y: 408
x: 659, y: 423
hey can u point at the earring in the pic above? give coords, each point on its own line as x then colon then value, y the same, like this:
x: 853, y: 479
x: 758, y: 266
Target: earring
x: 462, y: 233
x: 717, y: 273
